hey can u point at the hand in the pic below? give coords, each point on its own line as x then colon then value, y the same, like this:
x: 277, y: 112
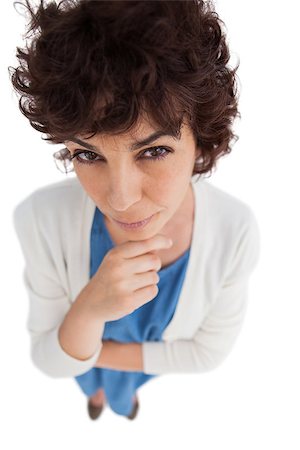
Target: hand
x: 126, y: 279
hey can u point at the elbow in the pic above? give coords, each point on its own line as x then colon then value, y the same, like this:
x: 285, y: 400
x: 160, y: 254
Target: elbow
x: 214, y: 363
x: 207, y: 359
x: 55, y: 363
x: 207, y: 365
x: 46, y: 368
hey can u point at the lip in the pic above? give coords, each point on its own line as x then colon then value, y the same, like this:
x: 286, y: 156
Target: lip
x: 132, y: 225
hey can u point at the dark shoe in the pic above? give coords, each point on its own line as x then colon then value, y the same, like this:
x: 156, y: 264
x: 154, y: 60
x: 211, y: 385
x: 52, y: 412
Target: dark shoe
x: 94, y: 411
x: 135, y: 409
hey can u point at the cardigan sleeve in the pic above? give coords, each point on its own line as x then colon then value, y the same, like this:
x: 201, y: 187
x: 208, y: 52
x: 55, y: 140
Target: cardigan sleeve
x: 217, y: 335
x: 48, y: 300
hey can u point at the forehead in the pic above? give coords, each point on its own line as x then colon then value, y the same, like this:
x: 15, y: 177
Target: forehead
x: 134, y: 144
x: 140, y: 136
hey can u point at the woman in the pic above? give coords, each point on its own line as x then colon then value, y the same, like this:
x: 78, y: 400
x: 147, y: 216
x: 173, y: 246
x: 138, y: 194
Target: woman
x: 141, y: 97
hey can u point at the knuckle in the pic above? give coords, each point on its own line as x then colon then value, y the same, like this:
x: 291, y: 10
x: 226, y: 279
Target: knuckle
x: 109, y: 256
x: 154, y: 289
x: 155, y: 259
x: 114, y: 251
x: 156, y: 277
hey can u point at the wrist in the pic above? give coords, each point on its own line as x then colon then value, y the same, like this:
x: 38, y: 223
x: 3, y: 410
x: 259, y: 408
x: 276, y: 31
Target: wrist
x: 89, y: 308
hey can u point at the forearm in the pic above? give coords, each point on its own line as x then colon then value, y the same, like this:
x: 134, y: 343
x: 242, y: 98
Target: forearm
x: 81, y: 330
x: 121, y: 356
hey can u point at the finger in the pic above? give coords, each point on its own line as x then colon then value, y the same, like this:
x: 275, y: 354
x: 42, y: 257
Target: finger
x: 131, y: 249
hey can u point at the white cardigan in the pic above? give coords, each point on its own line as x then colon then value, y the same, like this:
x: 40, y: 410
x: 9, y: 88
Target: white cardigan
x: 53, y: 225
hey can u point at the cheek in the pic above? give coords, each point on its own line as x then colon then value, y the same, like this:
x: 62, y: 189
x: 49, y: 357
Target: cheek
x: 180, y: 173
x: 162, y: 186
x: 91, y: 183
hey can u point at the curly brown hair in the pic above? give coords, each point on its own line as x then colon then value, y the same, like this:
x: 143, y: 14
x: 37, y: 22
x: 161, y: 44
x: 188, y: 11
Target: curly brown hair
x: 95, y: 66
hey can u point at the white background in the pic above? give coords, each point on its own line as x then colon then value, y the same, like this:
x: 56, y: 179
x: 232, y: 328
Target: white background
x: 252, y: 399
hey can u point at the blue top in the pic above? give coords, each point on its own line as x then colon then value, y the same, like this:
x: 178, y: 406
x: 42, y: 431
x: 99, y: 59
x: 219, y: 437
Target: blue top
x: 146, y: 323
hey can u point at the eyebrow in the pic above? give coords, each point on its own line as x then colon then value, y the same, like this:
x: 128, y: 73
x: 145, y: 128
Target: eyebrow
x: 153, y: 137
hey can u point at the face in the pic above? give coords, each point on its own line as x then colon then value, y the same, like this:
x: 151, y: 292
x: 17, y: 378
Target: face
x: 130, y: 183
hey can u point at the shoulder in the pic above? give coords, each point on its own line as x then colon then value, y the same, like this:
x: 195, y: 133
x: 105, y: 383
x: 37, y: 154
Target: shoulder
x: 232, y: 231
x: 65, y: 191
x: 226, y: 213
x: 50, y: 203
x: 227, y: 205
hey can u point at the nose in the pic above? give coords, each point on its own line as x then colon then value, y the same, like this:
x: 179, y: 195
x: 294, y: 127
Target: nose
x: 124, y: 190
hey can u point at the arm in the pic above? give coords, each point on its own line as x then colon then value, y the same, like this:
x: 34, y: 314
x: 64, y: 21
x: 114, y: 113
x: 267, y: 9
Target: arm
x: 211, y: 344
x: 217, y: 335
x: 81, y: 330
x: 121, y: 356
x: 50, y: 308
x: 215, y: 338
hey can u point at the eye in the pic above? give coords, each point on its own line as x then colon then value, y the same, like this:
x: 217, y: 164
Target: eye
x: 159, y: 154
